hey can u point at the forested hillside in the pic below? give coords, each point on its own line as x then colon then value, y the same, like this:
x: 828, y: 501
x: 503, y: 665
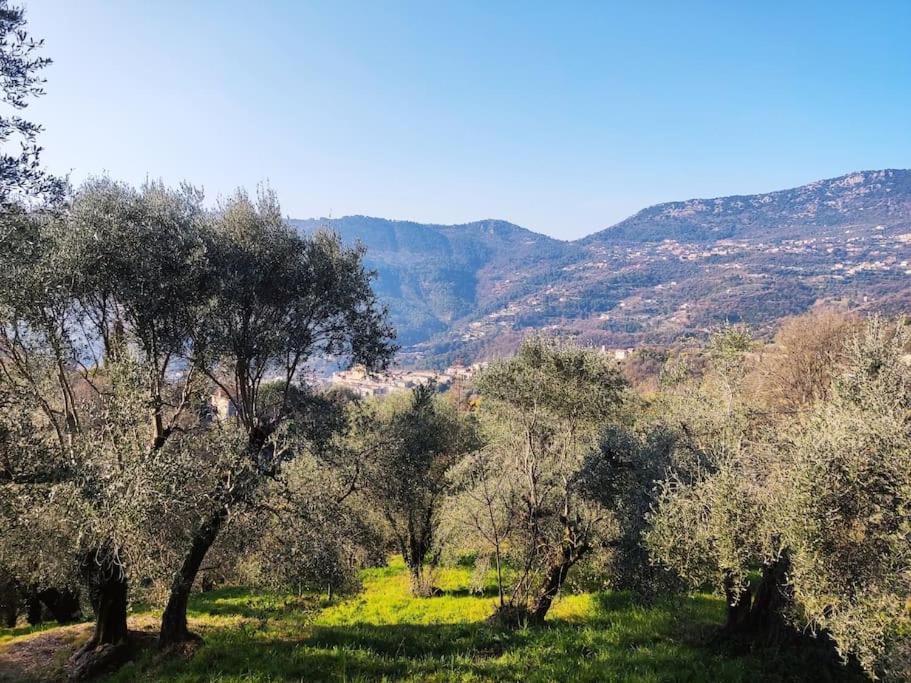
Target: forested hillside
x: 433, y: 276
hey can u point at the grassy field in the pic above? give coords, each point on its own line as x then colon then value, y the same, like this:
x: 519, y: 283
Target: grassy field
x: 385, y: 634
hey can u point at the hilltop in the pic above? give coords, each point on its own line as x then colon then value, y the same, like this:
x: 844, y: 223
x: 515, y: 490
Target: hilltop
x: 670, y: 271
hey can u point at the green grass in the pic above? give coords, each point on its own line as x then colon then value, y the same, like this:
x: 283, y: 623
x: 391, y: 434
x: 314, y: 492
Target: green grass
x: 385, y: 634
x: 8, y: 635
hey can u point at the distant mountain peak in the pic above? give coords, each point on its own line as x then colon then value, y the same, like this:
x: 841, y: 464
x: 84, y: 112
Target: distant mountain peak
x: 877, y: 194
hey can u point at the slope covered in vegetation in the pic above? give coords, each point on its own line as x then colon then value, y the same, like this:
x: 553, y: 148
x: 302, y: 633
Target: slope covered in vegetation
x: 669, y: 272
x: 385, y: 633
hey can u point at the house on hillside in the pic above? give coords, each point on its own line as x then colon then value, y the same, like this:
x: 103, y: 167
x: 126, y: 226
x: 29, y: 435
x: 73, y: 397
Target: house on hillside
x: 221, y: 405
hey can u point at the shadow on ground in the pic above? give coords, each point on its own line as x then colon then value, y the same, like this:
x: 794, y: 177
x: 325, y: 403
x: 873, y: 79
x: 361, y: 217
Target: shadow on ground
x: 601, y: 637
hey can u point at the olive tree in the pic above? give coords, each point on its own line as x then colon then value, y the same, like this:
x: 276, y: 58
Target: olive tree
x: 310, y: 528
x: 815, y: 497
x: 117, y: 315
x: 315, y: 538
x: 421, y: 437
x: 623, y: 474
x: 709, y: 522
x: 274, y: 300
x: 544, y: 410
x: 94, y: 315
x: 845, y: 514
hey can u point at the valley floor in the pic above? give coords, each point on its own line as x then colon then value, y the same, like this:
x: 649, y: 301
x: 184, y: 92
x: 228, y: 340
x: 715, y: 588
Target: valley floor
x: 385, y: 634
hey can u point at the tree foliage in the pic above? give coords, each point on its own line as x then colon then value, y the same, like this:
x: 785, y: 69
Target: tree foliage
x: 418, y: 441
x: 845, y: 515
x: 119, y: 317
x: 544, y: 410
x: 21, y: 64
x: 814, y: 496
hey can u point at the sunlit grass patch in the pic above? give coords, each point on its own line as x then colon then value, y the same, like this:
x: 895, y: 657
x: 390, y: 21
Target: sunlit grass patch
x: 386, y: 599
x: 384, y: 633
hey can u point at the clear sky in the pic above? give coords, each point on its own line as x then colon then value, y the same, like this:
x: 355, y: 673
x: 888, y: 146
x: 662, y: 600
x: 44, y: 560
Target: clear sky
x: 561, y: 117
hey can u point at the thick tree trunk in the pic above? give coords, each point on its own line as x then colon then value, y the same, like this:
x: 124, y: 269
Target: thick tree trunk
x: 110, y: 642
x: 174, y: 631
x: 517, y: 615
x: 570, y: 553
x: 110, y: 604
x: 9, y: 603
x: 767, y: 620
x: 415, y: 553
x: 61, y: 604
x: 760, y: 616
x: 34, y: 610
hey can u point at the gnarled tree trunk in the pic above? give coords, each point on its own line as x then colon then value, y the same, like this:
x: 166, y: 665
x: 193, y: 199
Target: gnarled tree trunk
x: 110, y: 642
x: 767, y: 620
x: 34, y: 610
x: 760, y: 615
x: 9, y: 602
x: 553, y: 582
x: 174, y: 631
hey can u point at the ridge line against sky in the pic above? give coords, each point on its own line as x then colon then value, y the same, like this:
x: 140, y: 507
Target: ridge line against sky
x: 558, y: 118
x: 596, y: 230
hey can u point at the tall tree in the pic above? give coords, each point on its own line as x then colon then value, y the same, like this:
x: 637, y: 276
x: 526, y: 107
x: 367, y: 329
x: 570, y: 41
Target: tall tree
x: 274, y: 301
x: 845, y: 514
x: 708, y: 523
x: 815, y: 496
x: 95, y: 307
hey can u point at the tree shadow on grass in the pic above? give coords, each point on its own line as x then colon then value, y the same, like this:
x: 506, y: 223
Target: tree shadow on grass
x: 621, y: 640
x: 556, y: 651
x: 694, y: 621
x: 436, y: 641
x: 240, y: 602
x: 360, y: 652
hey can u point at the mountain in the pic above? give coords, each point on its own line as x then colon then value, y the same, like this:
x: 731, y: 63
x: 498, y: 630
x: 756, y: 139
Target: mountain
x: 432, y: 276
x: 807, y: 211
x: 670, y: 271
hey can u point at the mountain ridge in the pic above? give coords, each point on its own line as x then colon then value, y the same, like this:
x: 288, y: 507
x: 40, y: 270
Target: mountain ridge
x: 903, y: 174
x: 671, y: 270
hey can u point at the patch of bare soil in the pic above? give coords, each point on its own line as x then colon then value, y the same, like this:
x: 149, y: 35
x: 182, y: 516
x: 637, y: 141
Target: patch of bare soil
x: 42, y: 657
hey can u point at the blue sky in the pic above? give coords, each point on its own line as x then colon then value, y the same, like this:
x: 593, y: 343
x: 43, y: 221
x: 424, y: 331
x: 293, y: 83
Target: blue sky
x: 561, y: 117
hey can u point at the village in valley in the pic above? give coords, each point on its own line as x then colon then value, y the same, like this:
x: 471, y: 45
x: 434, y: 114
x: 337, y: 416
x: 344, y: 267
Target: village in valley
x: 365, y: 383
